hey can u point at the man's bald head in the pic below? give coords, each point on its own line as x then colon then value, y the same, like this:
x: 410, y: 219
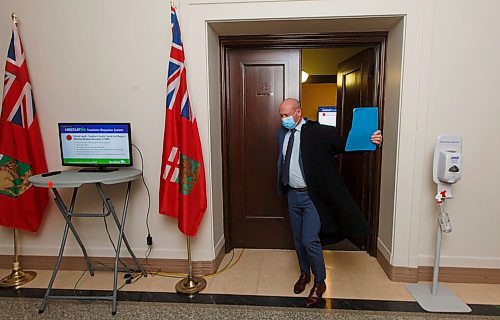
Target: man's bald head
x: 289, y: 107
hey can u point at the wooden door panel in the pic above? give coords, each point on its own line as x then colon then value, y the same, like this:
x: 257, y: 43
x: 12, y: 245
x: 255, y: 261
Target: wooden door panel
x: 357, y: 88
x: 260, y: 151
x: 258, y: 80
x: 352, y: 165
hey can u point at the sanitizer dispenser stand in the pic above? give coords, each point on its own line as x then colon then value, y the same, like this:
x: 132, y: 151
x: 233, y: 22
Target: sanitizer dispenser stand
x: 447, y: 170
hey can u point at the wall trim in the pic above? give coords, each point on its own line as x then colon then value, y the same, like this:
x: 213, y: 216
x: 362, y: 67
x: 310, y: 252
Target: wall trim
x: 219, y: 247
x: 446, y: 274
x: 467, y: 261
x: 382, y: 249
x: 462, y: 275
x: 400, y: 274
x: 106, y: 263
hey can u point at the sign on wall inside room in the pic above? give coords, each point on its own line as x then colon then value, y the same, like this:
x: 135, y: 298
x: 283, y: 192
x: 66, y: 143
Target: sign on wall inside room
x: 327, y: 115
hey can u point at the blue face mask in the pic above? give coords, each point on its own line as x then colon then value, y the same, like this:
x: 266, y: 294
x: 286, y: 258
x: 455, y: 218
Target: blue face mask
x: 288, y: 122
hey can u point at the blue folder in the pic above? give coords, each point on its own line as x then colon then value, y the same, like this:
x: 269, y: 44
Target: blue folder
x: 364, y: 124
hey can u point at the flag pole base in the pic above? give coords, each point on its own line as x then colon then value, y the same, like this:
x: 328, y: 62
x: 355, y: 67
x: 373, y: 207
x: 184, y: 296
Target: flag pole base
x: 190, y: 285
x: 17, y: 277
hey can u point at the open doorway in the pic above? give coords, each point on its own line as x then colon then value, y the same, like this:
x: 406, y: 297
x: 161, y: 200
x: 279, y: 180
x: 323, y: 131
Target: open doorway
x: 335, y: 81
x: 258, y: 74
x: 319, y: 67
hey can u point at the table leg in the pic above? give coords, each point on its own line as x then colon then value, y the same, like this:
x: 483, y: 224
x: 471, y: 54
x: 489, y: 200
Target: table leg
x: 115, y: 282
x: 56, y: 268
x: 67, y: 216
x: 110, y: 207
x: 121, y: 237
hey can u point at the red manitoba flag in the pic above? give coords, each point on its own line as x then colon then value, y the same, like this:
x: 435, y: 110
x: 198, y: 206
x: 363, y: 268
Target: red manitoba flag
x: 21, y: 147
x: 182, y: 182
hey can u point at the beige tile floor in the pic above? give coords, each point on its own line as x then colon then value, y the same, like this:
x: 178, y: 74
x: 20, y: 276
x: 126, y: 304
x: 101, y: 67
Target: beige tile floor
x: 353, y: 275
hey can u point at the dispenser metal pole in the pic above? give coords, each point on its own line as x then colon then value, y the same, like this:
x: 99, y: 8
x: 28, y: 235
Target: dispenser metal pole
x: 437, y: 297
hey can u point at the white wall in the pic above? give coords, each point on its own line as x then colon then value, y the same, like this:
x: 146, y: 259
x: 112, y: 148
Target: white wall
x: 463, y: 100
x: 93, y: 60
x: 216, y: 190
x: 101, y: 61
x: 393, y: 76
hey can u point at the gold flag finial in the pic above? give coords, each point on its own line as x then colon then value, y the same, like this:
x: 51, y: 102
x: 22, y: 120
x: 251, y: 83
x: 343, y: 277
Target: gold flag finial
x: 14, y: 17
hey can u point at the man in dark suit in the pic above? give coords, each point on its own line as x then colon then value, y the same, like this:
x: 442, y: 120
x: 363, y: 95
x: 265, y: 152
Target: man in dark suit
x: 321, y: 208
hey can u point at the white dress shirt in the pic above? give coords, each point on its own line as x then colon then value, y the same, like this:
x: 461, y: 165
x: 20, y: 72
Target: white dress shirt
x: 296, y: 179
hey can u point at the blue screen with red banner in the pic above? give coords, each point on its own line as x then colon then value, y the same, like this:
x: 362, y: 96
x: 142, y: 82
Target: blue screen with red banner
x: 95, y: 144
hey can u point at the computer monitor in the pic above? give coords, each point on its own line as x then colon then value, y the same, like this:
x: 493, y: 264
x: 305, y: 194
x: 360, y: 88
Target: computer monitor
x: 100, y: 146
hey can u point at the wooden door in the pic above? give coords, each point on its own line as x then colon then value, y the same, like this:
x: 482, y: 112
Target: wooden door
x: 357, y: 87
x: 256, y: 81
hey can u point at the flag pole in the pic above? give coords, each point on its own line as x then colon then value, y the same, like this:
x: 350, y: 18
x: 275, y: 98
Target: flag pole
x: 190, y: 285
x: 17, y: 277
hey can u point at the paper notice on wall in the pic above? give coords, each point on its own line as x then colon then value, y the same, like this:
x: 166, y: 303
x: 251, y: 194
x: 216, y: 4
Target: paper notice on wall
x: 327, y: 115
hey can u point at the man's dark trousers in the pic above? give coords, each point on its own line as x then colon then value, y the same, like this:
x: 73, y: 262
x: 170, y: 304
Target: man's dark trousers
x: 306, y: 226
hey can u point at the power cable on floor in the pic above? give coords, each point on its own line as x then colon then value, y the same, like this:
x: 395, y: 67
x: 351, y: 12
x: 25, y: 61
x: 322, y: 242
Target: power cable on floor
x: 137, y: 275
x: 228, y: 265
x: 77, y: 281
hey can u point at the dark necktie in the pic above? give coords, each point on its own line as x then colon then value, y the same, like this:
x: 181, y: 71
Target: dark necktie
x: 285, y: 173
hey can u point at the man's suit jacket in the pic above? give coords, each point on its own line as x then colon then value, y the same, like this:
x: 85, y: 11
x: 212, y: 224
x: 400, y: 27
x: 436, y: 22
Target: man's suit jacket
x: 339, y: 214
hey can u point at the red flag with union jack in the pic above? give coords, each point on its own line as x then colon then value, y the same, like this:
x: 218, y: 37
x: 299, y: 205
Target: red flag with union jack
x: 21, y: 147
x: 182, y: 182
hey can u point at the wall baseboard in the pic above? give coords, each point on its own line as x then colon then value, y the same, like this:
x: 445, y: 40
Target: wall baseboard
x: 463, y: 275
x: 400, y: 274
x: 106, y: 263
x: 394, y: 273
x: 446, y: 274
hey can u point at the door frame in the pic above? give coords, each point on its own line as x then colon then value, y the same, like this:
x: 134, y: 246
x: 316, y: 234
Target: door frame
x: 378, y: 40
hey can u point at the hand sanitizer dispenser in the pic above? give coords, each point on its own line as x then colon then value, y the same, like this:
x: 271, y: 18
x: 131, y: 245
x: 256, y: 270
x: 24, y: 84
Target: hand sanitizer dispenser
x: 446, y: 170
x: 449, y: 166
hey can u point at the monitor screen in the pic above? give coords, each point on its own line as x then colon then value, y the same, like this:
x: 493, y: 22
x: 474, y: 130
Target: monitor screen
x: 95, y: 144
